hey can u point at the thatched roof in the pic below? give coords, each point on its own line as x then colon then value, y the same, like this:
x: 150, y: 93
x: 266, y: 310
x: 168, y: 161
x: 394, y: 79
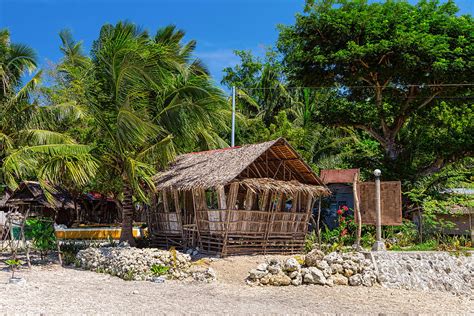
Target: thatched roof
x: 259, y: 185
x: 31, y: 192
x: 212, y: 168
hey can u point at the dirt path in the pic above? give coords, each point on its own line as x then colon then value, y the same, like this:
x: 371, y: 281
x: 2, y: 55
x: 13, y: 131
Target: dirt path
x: 56, y: 290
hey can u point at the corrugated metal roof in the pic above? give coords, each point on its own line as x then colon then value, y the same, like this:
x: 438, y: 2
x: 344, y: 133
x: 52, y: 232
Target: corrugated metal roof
x: 339, y: 175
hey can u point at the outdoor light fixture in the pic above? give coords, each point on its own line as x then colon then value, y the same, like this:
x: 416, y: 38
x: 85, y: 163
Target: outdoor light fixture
x: 377, y: 173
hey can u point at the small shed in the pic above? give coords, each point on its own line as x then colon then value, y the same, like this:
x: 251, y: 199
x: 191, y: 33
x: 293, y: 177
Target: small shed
x: 462, y: 219
x: 240, y: 200
x: 456, y: 219
x: 340, y: 182
x: 30, y: 196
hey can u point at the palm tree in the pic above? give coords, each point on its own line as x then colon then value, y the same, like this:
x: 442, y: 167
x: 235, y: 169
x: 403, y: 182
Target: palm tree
x: 29, y: 148
x: 154, y: 99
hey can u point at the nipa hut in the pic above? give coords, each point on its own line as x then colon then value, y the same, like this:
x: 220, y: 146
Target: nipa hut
x: 240, y: 200
x: 31, y: 199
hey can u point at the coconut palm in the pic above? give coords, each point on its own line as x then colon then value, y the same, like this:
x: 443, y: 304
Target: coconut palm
x: 154, y: 99
x: 29, y: 148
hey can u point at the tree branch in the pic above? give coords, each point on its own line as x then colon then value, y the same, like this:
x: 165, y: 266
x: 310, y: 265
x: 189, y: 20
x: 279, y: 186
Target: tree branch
x: 364, y: 64
x: 441, y: 162
x: 405, y: 111
x: 372, y: 133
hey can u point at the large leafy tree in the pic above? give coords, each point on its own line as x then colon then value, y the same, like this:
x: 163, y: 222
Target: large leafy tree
x: 147, y: 98
x: 402, y: 73
x: 30, y: 147
x: 274, y: 109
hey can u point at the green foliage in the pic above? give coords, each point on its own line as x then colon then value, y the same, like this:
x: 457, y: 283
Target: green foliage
x: 390, y: 95
x: 310, y: 241
x: 31, y: 146
x: 41, y: 232
x: 69, y: 250
x: 404, y: 235
x: 129, y: 276
x: 382, y: 63
x: 425, y: 246
x: 344, y: 234
x: 147, y: 98
x: 159, y: 270
x: 14, y: 264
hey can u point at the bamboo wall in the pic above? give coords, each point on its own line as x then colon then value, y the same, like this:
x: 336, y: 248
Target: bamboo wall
x: 230, y: 220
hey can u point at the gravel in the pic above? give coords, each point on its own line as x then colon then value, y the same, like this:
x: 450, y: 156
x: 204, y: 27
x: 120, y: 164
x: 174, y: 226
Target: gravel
x: 56, y: 290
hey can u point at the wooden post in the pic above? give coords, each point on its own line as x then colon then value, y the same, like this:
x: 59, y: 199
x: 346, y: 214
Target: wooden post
x: 221, y: 199
x: 196, y: 209
x: 165, y: 200
x: 177, y: 207
x: 28, y: 260
x: 357, y: 212
x: 271, y: 217
x: 420, y: 218
x: 231, y: 201
x: 470, y: 228
x: 58, y: 247
x: 317, y: 223
x: 232, y: 198
x: 294, y: 203
x: 249, y: 198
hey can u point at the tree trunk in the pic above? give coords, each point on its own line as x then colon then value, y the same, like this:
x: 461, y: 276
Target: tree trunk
x: 127, y: 216
x: 357, y: 212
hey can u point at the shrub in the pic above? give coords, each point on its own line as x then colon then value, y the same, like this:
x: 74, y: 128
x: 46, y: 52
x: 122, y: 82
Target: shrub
x: 310, y: 241
x: 69, y: 251
x: 41, y: 232
x: 158, y: 270
x: 14, y: 264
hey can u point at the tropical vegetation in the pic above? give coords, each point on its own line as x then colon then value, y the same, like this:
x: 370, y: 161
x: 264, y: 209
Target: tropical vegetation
x: 351, y: 84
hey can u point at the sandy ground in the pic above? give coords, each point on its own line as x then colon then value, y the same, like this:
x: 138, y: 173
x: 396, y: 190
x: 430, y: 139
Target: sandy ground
x: 51, y: 289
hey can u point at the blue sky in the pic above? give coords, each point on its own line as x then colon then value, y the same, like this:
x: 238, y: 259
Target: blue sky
x: 219, y: 26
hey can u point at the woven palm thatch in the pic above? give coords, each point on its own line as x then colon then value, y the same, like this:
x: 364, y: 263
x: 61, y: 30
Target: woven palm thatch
x: 259, y: 185
x: 31, y: 192
x: 213, y: 168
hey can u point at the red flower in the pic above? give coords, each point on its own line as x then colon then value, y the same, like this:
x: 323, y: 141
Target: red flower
x: 344, y: 232
x: 339, y: 212
x: 345, y: 208
x: 343, y: 218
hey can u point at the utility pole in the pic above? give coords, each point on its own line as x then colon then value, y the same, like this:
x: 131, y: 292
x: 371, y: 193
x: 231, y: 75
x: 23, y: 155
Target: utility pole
x: 379, y: 244
x: 232, y: 139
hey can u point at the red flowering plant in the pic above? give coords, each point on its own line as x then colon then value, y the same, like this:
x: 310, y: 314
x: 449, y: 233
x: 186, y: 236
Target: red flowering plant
x: 347, y: 226
x: 344, y: 234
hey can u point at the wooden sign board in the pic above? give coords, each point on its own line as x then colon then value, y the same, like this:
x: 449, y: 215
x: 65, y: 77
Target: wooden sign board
x: 391, y: 202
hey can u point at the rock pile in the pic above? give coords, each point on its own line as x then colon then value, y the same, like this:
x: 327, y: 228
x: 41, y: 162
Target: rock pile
x: 138, y: 264
x: 439, y: 271
x: 332, y: 269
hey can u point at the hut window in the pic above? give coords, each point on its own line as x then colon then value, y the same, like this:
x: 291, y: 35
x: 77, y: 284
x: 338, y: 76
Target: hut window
x: 241, y: 200
x: 170, y: 201
x: 276, y: 202
x: 212, y: 200
x: 263, y: 200
x: 289, y: 203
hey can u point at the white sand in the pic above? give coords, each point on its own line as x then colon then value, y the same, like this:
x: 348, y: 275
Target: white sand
x: 56, y: 290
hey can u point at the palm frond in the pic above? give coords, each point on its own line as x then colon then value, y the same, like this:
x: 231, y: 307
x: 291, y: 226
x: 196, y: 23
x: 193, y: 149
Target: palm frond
x: 35, y: 137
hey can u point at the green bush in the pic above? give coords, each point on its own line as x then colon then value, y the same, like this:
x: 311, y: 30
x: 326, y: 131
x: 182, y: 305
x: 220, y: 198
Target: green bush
x: 425, y: 246
x: 14, y: 264
x: 69, y: 250
x: 41, y: 232
x: 310, y: 241
x: 158, y: 270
